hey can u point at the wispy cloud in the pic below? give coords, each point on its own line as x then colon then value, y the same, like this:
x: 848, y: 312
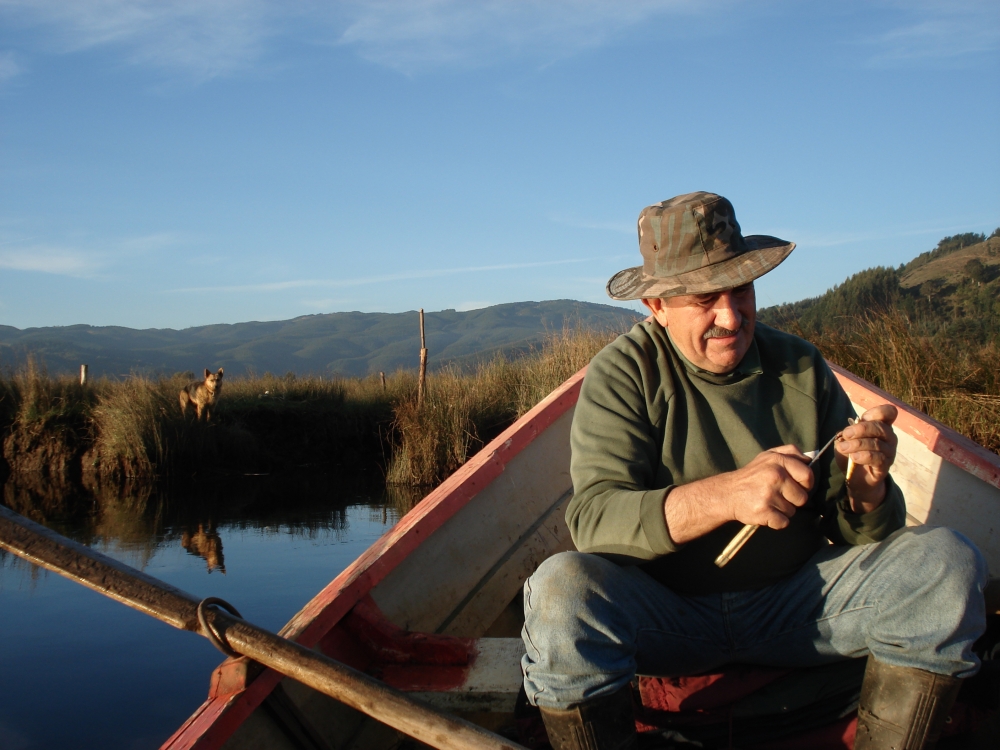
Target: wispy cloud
x: 208, y: 38
x: 472, y: 305
x: 212, y: 38
x: 411, y: 35
x: 63, y: 261
x: 280, y: 286
x: 935, y: 33
x: 9, y: 67
x: 78, y: 259
x: 805, y: 239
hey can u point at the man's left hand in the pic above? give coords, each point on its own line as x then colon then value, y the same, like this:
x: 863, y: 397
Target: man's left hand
x: 871, y: 443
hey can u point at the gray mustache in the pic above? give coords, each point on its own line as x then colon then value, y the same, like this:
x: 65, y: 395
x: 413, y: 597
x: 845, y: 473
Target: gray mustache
x: 717, y: 332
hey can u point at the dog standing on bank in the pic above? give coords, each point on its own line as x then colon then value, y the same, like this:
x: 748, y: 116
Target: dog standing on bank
x: 203, y: 395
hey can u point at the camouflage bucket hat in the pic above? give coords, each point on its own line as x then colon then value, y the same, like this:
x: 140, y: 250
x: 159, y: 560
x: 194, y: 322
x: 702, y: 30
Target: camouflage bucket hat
x: 692, y: 244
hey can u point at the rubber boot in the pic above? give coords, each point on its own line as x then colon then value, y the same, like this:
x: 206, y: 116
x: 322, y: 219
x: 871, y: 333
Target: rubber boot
x: 605, y: 723
x: 902, y: 708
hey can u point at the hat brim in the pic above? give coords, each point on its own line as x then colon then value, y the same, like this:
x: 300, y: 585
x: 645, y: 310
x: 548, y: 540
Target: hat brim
x: 764, y: 254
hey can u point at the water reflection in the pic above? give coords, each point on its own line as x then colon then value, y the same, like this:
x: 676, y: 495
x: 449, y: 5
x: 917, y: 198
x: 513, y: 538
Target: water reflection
x: 135, y: 520
x: 206, y: 544
x: 120, y: 679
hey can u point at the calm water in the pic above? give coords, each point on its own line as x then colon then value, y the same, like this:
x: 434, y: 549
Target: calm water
x: 78, y: 670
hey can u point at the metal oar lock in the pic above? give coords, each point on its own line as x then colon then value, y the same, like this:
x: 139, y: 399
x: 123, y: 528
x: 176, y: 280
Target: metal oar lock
x: 234, y: 635
x: 744, y: 534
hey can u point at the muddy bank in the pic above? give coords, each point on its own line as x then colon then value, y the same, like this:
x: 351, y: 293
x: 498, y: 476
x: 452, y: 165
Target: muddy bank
x: 133, y: 431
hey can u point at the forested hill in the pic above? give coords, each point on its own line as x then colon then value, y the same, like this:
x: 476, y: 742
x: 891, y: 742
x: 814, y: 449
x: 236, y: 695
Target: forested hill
x: 951, y: 291
x: 348, y: 343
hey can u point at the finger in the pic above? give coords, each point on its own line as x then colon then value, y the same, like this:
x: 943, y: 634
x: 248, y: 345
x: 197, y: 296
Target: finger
x: 790, y: 450
x: 777, y: 521
x: 795, y: 494
x: 874, y: 459
x: 773, y: 513
x: 855, y: 448
x: 778, y: 515
x: 874, y: 443
x: 763, y: 509
x: 881, y: 444
x: 882, y: 413
x: 799, y: 473
x: 867, y: 429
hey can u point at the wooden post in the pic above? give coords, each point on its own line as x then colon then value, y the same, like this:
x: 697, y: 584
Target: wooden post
x: 83, y: 374
x: 382, y: 376
x: 422, y: 380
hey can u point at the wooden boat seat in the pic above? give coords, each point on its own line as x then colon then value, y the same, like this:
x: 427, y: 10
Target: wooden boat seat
x: 794, y: 707
x: 453, y: 673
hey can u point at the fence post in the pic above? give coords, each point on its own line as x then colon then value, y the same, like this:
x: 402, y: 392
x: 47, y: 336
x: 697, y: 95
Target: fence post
x: 422, y: 380
x: 83, y: 374
x: 382, y: 376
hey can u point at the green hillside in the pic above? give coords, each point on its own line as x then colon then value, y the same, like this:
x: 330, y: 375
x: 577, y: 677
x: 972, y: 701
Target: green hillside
x: 349, y: 344
x: 952, y: 291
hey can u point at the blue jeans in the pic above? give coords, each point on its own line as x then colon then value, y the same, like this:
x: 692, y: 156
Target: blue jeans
x: 913, y: 600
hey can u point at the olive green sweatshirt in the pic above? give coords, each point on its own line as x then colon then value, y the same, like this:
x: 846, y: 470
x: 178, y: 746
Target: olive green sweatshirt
x: 648, y: 420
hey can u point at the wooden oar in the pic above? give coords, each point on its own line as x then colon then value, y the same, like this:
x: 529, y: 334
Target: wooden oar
x: 79, y: 563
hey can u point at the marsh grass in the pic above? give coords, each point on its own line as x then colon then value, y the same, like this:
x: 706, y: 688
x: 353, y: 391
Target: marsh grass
x: 260, y: 423
x: 952, y: 381
x: 31, y: 398
x: 131, y: 422
x: 463, y: 411
x: 131, y: 431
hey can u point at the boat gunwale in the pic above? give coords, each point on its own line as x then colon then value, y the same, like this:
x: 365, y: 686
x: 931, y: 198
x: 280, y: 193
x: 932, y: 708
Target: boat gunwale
x: 943, y: 441
x: 218, y: 717
x: 215, y: 720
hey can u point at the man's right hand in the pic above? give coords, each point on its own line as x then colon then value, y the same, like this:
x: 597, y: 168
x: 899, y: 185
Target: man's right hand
x: 765, y: 492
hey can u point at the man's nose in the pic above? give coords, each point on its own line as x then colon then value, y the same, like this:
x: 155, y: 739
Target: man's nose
x: 726, y: 314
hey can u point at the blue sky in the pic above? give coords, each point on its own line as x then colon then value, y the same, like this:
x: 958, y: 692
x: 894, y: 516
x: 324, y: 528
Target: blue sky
x: 169, y: 164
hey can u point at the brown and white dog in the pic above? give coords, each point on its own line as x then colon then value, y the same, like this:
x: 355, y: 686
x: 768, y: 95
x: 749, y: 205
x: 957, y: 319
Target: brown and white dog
x: 203, y: 395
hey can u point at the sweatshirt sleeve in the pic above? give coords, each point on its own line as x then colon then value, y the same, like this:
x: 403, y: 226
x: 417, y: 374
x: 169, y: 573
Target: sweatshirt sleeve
x: 615, y: 455
x: 840, y: 524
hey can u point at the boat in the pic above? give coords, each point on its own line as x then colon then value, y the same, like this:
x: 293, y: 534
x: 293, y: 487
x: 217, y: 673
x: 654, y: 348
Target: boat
x: 434, y: 606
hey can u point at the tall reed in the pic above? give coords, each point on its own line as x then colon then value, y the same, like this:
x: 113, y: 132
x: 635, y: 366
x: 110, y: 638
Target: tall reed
x: 29, y: 396
x: 954, y: 382
x: 463, y: 411
x: 133, y: 429
x: 131, y: 422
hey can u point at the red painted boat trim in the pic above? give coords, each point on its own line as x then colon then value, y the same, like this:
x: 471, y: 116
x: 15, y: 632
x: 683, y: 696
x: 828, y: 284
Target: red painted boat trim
x: 215, y: 721
x: 390, y: 644
x: 366, y: 640
x: 956, y: 449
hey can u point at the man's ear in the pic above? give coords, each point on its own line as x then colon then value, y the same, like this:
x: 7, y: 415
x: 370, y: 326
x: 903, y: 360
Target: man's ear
x: 657, y: 309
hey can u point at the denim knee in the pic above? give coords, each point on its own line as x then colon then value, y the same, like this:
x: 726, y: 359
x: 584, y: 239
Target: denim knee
x: 579, y: 640
x: 930, y: 606
x: 562, y: 583
x: 941, y: 557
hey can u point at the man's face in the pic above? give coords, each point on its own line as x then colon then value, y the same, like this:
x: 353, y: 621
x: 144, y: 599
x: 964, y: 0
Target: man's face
x: 712, y: 330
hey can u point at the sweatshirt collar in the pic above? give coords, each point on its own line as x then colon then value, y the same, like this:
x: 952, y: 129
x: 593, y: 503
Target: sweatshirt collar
x: 749, y: 365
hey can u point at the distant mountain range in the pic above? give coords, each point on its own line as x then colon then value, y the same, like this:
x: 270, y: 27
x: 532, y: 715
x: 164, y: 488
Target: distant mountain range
x: 349, y: 343
x: 951, y: 293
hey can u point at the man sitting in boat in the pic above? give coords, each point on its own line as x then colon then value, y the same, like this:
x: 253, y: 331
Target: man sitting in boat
x: 693, y: 424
